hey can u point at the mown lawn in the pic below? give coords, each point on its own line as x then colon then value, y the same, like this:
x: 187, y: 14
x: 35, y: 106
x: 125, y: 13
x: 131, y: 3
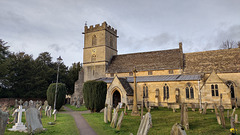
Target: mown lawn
x: 163, y: 119
x: 81, y: 108
x: 65, y: 125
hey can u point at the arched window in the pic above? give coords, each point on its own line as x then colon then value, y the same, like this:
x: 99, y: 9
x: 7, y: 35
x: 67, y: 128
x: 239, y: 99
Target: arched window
x: 231, y: 87
x: 165, y: 92
x: 111, y: 41
x: 189, y: 91
x: 94, y: 40
x: 214, y: 89
x: 145, y: 91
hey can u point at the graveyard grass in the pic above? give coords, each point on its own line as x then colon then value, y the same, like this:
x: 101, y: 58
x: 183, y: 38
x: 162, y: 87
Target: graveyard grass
x: 81, y: 108
x: 163, y: 119
x: 65, y: 124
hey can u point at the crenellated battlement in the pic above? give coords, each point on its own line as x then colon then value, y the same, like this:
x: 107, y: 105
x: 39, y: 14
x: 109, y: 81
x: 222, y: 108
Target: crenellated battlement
x: 98, y: 27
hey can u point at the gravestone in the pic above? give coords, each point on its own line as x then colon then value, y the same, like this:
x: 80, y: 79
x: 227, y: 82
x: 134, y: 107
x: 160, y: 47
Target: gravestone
x: 37, y: 104
x: 31, y: 104
x: 125, y: 109
x: 117, y: 108
x: 193, y: 107
x: 205, y: 108
x: 15, y: 115
x: 105, y: 115
x: 217, y: 114
x: 233, y: 112
x: 145, y: 124
x: 40, y: 110
x: 46, y: 108
x: 19, y: 125
x: 119, y: 123
x: 33, y: 119
x: 174, y: 110
x: 16, y: 103
x: 221, y: 111
x: 40, y: 103
x: 236, y: 118
x: 178, y: 129
x: 114, y: 119
x: 232, y: 122
x: 49, y: 112
x: 3, y: 121
x: 25, y: 105
x: 45, y: 104
x: 184, y: 116
x: 78, y: 102
x: 109, y: 115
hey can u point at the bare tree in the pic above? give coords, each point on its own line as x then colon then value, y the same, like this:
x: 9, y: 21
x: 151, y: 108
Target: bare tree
x: 228, y: 44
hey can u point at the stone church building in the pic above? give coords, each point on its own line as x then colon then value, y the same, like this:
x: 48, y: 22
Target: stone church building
x: 164, y: 78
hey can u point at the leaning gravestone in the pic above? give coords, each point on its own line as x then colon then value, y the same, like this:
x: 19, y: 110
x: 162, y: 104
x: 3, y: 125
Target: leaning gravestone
x: 217, y: 114
x: 114, y: 120
x: 145, y: 124
x: 221, y: 110
x: 205, y: 108
x: 33, y: 119
x: 184, y: 116
x: 105, y: 115
x: 120, y: 121
x: 109, y: 113
x: 178, y: 129
x: 3, y: 121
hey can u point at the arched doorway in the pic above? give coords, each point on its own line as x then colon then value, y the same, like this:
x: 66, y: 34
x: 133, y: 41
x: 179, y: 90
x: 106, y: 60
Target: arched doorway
x: 116, y: 98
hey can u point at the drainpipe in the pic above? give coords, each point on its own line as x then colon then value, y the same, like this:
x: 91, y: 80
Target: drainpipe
x: 200, y: 95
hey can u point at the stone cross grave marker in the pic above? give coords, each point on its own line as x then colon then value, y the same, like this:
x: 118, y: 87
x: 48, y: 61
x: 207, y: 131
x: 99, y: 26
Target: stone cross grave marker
x: 145, y: 124
x: 3, y: 121
x: 34, y: 123
x: 19, y: 125
x: 109, y: 115
x: 221, y: 110
x: 205, y: 108
x: 114, y: 119
x: 217, y: 114
x: 119, y: 123
x: 178, y: 129
x: 184, y: 116
x: 105, y: 115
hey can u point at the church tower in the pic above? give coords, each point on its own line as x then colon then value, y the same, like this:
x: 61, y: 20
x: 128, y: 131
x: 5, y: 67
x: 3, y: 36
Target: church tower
x: 100, y: 44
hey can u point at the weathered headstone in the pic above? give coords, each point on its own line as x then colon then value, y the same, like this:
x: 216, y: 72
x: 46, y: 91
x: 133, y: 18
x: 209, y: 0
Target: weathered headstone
x: 119, y: 123
x: 114, y: 119
x: 236, y: 118
x: 109, y: 115
x: 45, y: 104
x: 193, y: 107
x: 184, y: 116
x: 174, y: 110
x: 3, y: 121
x: 178, y: 129
x: 221, y: 110
x: 16, y: 103
x: 40, y: 103
x: 117, y: 108
x: 205, y: 108
x: 105, y: 115
x: 37, y: 104
x: 145, y: 124
x: 232, y: 115
x: 31, y: 104
x: 33, y: 119
x: 228, y: 114
x: 25, y: 105
x: 232, y: 122
x: 217, y: 114
x: 19, y: 125
x: 49, y: 112
x: 46, y: 108
x: 40, y: 110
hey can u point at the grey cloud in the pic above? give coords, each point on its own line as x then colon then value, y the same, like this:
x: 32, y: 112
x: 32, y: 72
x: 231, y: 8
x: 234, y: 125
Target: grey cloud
x: 56, y: 47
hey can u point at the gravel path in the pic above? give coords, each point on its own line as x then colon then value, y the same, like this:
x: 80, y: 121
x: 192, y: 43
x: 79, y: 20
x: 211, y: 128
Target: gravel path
x: 81, y: 123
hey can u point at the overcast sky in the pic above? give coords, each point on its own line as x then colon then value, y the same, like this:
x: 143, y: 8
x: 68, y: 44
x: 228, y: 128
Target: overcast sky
x: 56, y: 26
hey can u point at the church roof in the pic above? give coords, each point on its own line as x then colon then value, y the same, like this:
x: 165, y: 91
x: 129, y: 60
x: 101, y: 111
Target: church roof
x: 145, y: 61
x: 126, y: 86
x: 160, y: 78
x: 226, y: 60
